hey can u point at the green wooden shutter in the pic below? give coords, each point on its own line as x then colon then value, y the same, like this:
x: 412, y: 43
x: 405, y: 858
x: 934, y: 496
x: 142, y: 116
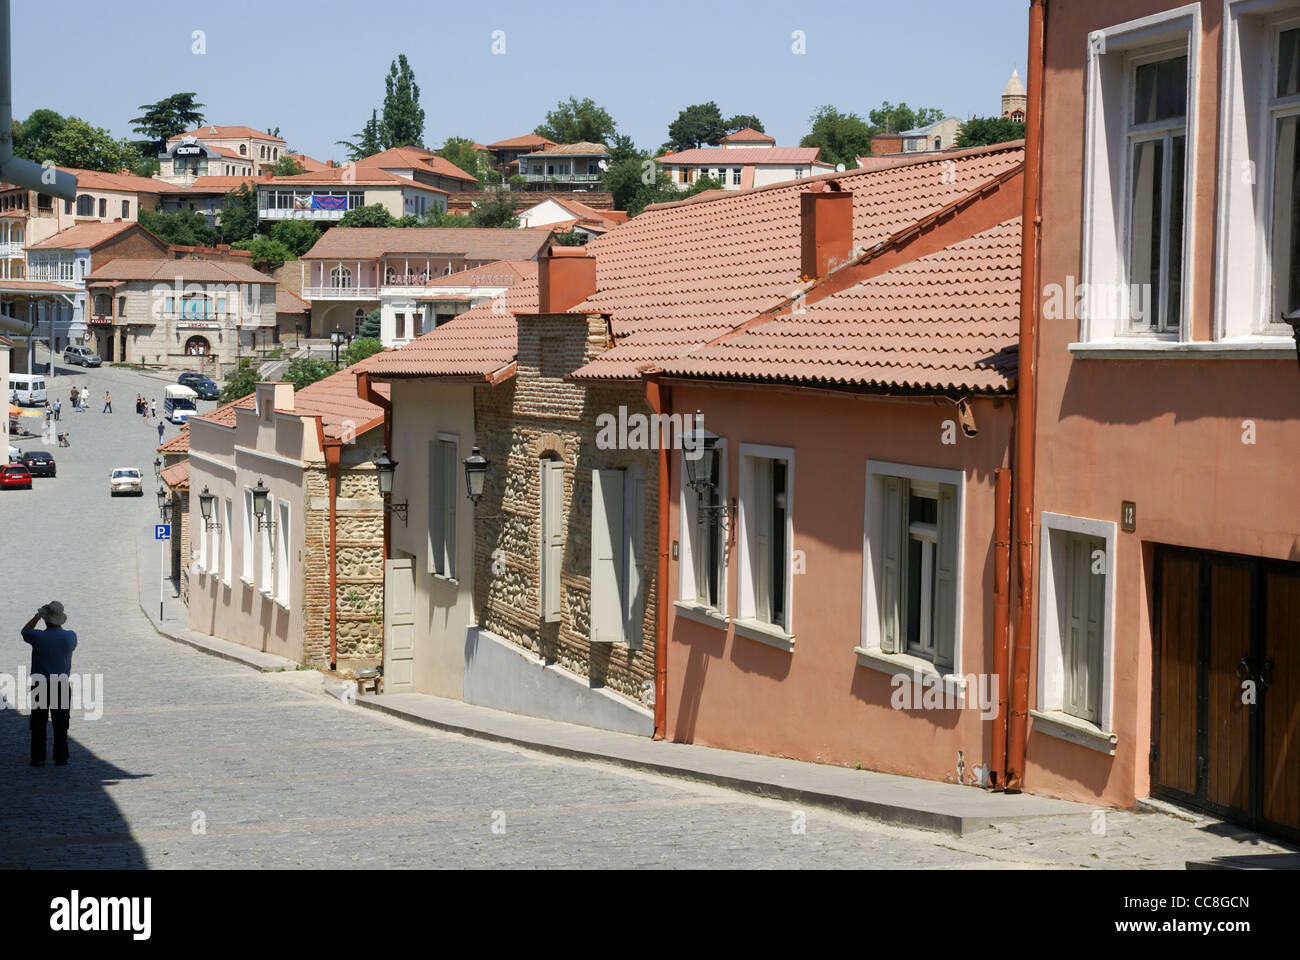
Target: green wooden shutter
x: 634, y: 553
x: 607, y: 602
x: 552, y: 537
x: 448, y: 483
x: 437, y: 509
x: 893, y: 567
x: 761, y: 559
x: 946, y: 582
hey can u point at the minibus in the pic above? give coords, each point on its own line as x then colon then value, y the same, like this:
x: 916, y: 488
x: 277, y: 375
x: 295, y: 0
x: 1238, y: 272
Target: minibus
x: 179, y: 402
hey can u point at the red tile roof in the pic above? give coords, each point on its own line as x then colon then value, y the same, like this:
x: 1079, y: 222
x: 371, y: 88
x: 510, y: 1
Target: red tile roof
x: 222, y: 184
x: 414, y: 158
x: 179, y: 443
x: 742, y: 156
x: 584, y: 149
x: 120, y: 182
x: 528, y: 141
x: 949, y: 320
x: 87, y: 236
x: 308, y: 164
x: 503, y: 273
x: 471, y: 243
x: 177, y: 476
x: 334, y: 400
x: 286, y: 302
x: 349, y: 176
x: 748, y: 135
x: 198, y: 271
x: 225, y: 414
x: 226, y: 133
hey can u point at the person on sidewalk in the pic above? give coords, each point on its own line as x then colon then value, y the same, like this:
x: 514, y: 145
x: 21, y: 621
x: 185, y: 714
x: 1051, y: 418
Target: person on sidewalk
x: 160, y: 431
x: 58, y: 409
x: 108, y: 402
x: 51, y: 664
x: 74, y: 395
x: 153, y: 408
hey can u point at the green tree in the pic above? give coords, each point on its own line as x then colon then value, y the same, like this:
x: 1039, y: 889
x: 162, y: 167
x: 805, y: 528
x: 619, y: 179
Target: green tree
x: 577, y: 121
x: 571, y: 239
x: 637, y: 182
x: 498, y: 210
x: 895, y: 119
x: 374, y: 215
x: 370, y: 327
x: 298, y: 236
x: 698, y: 125
x: 47, y: 137
x: 268, y: 254
x: 742, y: 121
x: 286, y: 166
x: 461, y: 152
x: 238, y: 218
x: 184, y: 227
x: 168, y: 117
x: 33, y: 135
x: 621, y: 148
x: 361, y: 348
x: 240, y: 383
x: 403, y: 120
x: 985, y: 131
x: 699, y: 186
x: 304, y: 371
x: 842, y: 137
x: 366, y: 143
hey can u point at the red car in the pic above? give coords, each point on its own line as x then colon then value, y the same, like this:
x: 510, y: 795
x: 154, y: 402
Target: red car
x: 15, y: 475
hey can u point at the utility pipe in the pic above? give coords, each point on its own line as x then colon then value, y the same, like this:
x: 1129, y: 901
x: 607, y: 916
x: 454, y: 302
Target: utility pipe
x: 1001, y: 618
x: 1026, y: 397
x: 660, y: 400
x: 333, y: 450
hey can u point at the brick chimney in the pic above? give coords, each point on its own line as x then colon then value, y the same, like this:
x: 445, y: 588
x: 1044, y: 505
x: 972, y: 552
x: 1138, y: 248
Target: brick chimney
x: 826, y: 223
x: 566, y: 276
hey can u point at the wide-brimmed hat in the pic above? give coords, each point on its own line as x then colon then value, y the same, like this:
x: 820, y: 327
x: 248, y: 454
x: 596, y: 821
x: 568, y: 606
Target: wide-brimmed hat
x: 53, y: 613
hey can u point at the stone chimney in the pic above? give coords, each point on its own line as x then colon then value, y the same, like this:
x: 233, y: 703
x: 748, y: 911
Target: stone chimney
x: 566, y: 276
x: 826, y: 224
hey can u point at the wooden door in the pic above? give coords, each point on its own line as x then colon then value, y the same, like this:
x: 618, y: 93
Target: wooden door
x: 1279, y: 672
x: 1178, y: 641
x: 399, y: 625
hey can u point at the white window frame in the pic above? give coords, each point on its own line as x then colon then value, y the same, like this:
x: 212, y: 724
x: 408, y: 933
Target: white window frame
x: 746, y: 623
x: 688, y: 514
x: 227, y: 543
x: 1106, y: 196
x: 1243, y: 219
x: 250, y: 539
x: 631, y: 558
x: 870, y: 650
x: 1049, y: 715
x: 550, y: 571
x: 282, y: 564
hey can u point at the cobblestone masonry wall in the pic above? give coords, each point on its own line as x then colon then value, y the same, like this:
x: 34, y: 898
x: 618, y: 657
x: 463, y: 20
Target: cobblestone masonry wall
x: 517, y: 424
x: 181, y: 509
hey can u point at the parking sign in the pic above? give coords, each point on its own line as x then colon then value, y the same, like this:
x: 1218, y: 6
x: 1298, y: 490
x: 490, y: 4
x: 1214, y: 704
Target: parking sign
x: 162, y: 531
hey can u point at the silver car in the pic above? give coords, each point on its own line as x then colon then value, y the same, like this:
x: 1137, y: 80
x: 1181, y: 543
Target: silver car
x: 125, y: 480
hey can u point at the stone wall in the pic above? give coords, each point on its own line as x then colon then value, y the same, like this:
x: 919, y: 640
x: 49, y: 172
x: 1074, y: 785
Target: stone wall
x: 536, y: 414
x: 464, y: 201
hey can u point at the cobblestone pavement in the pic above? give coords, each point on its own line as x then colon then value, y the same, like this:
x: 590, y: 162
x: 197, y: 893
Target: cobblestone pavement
x: 198, y: 763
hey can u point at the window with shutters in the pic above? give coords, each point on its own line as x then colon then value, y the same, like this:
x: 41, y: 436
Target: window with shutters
x: 703, y: 532
x: 1076, y: 602
x: 766, y: 531
x: 552, y: 539
x: 282, y: 541
x: 618, y: 512
x: 444, y: 465
x: 250, y: 537
x: 912, y: 568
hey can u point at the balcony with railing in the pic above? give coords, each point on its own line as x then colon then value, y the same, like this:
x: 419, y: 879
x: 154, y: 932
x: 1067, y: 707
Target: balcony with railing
x: 340, y: 293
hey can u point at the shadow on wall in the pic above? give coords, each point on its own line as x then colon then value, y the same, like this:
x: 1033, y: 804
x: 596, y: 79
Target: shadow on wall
x: 60, y: 817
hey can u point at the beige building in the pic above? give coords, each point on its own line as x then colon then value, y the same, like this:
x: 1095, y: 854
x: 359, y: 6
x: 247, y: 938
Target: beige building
x: 326, y: 195
x: 269, y: 582
x: 245, y: 143
x: 181, y: 314
x: 187, y: 159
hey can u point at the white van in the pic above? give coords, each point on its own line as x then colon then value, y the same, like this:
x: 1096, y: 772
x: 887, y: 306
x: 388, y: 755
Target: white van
x: 179, y: 402
x: 30, y: 388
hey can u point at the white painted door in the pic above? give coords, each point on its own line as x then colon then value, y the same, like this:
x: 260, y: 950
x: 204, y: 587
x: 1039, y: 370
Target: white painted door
x: 399, y: 625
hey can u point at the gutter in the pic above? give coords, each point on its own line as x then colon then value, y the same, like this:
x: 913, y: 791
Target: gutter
x: 659, y: 398
x: 333, y: 450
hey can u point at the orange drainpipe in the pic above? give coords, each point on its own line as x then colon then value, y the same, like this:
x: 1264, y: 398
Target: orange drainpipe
x: 660, y: 400
x: 333, y: 450
x: 1001, y: 618
x: 1026, y: 397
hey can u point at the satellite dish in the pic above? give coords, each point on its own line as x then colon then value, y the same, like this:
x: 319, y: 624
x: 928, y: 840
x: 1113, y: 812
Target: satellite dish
x: 839, y: 168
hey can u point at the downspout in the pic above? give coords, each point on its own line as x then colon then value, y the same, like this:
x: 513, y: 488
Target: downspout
x: 366, y: 391
x: 660, y: 400
x: 1001, y: 619
x: 1026, y: 396
x: 333, y: 450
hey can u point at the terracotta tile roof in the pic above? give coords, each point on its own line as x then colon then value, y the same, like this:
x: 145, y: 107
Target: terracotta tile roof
x: 503, y: 273
x: 177, y: 476
x: 414, y: 158
x: 225, y: 414
x: 120, y: 182
x: 227, y: 152
x: 584, y: 212
x: 949, y: 320
x: 308, y: 164
x: 349, y: 177
x: 680, y: 275
x: 87, y: 236
x: 742, y: 156
x: 35, y: 286
x: 748, y: 135
x: 198, y: 271
x: 286, y: 302
x: 472, y: 243
x: 222, y: 184
x: 528, y: 141
x: 177, y: 444
x: 226, y: 133
x: 334, y: 400
x: 584, y: 149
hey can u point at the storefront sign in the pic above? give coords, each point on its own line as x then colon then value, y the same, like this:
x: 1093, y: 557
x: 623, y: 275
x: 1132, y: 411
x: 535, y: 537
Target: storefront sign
x: 197, y: 325
x: 191, y: 150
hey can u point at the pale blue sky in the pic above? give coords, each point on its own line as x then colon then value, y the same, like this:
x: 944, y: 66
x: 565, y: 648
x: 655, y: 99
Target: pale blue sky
x: 316, y: 69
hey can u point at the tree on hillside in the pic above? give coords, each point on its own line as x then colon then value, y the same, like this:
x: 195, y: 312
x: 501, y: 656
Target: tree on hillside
x: 374, y: 215
x: 460, y: 152
x: 895, y: 119
x: 184, y: 227
x: 577, y: 121
x: 636, y: 182
x: 240, y: 383
x: 298, y: 236
x: 403, y: 118
x: 842, y: 137
x: 286, y: 166
x: 33, y: 135
x: 370, y: 327
x: 168, y: 117
x: 984, y: 131
x: 238, y: 219
x: 742, y: 121
x: 304, y: 371
x: 366, y: 143
x: 698, y: 125
x: 360, y: 348
x: 48, y: 137
x: 267, y: 254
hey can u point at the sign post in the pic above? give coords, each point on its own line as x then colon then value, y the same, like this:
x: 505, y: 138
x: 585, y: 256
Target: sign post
x: 162, y: 532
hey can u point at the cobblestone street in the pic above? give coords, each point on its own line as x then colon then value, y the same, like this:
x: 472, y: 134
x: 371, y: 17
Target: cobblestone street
x: 197, y: 762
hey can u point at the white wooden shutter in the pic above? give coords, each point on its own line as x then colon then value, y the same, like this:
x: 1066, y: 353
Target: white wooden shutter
x: 893, y: 567
x: 437, y: 509
x: 448, y: 477
x: 634, y: 556
x: 761, y: 560
x: 1084, y: 604
x: 945, y: 585
x: 607, y: 599
x: 552, y: 539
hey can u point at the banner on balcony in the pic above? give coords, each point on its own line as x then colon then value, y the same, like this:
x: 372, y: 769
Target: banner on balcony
x: 330, y: 202
x: 302, y: 201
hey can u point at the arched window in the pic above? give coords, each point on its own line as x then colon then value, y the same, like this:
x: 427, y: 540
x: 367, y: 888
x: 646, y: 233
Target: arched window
x: 85, y: 206
x: 358, y: 318
x: 197, y: 347
x: 340, y: 277
x: 243, y: 149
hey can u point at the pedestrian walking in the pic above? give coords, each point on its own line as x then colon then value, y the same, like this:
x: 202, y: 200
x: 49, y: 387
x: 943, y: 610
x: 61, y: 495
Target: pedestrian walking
x: 51, y: 664
x: 58, y: 409
x: 153, y: 408
x: 74, y: 396
x: 108, y: 402
x: 160, y: 431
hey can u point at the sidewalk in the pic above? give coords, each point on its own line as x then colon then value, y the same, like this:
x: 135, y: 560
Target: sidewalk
x: 174, y: 614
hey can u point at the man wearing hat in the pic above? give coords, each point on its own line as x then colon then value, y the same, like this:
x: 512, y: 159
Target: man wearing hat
x: 51, y: 664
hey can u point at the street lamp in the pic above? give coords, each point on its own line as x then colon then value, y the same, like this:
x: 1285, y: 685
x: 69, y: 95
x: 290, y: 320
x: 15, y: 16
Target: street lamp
x: 476, y: 467
x: 205, y: 508
x: 164, y: 505
x: 385, y: 467
x: 157, y: 466
x: 336, y: 338
x: 702, y: 469
x: 259, y: 506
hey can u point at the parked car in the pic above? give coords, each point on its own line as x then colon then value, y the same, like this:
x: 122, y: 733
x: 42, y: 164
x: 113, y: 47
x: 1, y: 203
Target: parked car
x: 81, y: 356
x: 203, y: 386
x: 125, y: 480
x: 39, y: 463
x: 15, y: 476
